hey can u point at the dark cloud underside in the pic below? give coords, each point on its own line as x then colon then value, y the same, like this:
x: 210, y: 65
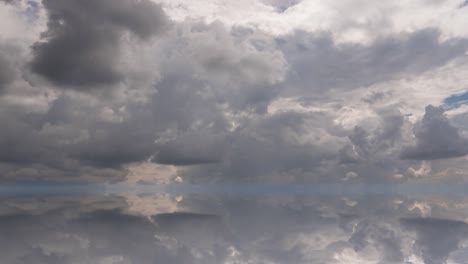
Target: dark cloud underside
x: 81, y: 45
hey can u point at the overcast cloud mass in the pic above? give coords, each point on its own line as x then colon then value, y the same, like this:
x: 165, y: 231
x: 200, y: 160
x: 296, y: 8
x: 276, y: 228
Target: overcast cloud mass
x: 233, y: 132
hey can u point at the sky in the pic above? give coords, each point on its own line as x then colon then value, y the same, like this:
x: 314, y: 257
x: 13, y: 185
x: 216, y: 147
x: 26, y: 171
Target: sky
x: 233, y: 132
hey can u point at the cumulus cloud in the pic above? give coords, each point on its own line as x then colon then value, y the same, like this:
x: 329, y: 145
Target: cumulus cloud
x: 207, y: 103
x: 81, y: 45
x: 436, y: 138
x: 318, y: 63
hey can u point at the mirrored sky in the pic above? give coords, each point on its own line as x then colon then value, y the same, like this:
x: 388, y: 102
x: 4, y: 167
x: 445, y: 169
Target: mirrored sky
x: 233, y: 132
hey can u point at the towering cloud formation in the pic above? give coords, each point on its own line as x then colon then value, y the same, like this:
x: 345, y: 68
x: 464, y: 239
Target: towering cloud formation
x: 436, y: 138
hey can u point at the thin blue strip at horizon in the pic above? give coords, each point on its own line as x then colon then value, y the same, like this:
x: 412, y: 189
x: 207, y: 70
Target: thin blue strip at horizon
x: 53, y: 188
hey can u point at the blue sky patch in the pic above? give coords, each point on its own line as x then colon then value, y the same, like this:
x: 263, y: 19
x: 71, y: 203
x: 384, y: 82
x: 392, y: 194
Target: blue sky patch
x: 456, y: 100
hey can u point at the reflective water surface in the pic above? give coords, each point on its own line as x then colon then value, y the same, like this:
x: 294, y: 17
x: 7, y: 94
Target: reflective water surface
x: 234, y: 228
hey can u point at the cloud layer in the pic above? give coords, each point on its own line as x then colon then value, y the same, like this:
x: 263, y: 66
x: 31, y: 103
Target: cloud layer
x: 108, y: 85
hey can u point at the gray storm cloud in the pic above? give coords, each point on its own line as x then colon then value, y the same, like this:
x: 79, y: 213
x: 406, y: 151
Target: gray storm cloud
x: 81, y: 44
